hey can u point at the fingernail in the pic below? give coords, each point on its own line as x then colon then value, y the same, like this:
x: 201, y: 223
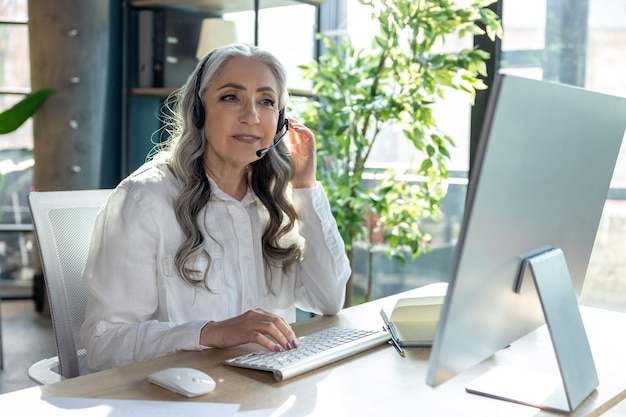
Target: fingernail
x: 278, y: 348
x: 289, y: 346
x: 295, y: 343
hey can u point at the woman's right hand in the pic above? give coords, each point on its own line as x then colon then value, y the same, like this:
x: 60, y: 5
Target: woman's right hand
x: 258, y: 326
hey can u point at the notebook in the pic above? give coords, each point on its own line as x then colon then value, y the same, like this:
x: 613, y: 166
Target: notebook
x: 415, y: 319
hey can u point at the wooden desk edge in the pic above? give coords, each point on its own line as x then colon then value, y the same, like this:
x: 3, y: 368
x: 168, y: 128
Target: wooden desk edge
x: 106, y: 384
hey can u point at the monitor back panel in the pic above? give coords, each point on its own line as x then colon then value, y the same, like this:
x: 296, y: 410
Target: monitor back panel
x: 540, y: 179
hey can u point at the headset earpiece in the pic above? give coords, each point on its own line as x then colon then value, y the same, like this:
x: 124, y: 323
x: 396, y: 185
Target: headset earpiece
x: 282, y: 121
x: 198, y: 107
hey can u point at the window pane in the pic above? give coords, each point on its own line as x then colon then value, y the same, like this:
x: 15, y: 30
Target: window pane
x: 289, y: 33
x: 525, y: 25
x: 244, y: 25
x: 606, y: 53
x: 606, y: 65
x: 16, y: 161
x: 452, y: 114
x: 14, y: 57
x: 581, y: 43
x: 392, y: 149
x: 14, y: 9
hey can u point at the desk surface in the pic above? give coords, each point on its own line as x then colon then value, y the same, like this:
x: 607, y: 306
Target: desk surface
x: 375, y: 383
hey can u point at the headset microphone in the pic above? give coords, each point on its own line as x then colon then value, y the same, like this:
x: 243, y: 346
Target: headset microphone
x: 277, y: 138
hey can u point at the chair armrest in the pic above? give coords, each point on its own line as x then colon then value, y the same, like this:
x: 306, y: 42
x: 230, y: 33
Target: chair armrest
x: 44, y: 372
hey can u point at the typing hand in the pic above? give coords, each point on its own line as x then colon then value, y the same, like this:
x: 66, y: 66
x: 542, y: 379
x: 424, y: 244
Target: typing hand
x: 258, y: 326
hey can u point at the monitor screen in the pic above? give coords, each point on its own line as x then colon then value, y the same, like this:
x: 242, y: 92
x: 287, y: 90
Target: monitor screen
x: 540, y: 179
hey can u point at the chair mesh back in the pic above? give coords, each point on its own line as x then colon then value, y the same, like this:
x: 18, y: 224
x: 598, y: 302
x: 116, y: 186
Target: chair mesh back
x: 63, y: 222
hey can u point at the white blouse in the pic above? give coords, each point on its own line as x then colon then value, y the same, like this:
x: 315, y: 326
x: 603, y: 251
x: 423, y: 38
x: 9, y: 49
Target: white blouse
x: 140, y: 308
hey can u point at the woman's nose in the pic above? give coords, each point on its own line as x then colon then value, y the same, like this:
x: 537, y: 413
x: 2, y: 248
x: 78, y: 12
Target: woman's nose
x: 250, y: 113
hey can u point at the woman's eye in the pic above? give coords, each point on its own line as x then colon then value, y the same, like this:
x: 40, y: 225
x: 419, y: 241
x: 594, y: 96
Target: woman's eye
x: 229, y: 97
x: 268, y: 102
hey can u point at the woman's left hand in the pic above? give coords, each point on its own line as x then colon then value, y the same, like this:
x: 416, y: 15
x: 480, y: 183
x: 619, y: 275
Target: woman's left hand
x: 302, y: 148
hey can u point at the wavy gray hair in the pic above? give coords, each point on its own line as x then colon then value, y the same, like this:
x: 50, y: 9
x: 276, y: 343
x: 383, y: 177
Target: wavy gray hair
x: 268, y: 177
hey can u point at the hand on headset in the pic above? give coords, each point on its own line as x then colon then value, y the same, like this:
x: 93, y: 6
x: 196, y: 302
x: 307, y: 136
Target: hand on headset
x: 302, y: 149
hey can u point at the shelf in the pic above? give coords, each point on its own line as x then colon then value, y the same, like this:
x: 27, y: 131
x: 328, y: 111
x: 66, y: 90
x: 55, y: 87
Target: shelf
x: 301, y: 93
x: 165, y: 92
x: 153, y: 92
x: 14, y: 90
x: 13, y: 21
x: 221, y: 6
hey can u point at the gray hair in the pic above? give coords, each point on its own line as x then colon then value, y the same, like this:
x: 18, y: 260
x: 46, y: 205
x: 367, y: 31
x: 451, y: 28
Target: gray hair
x: 184, y: 150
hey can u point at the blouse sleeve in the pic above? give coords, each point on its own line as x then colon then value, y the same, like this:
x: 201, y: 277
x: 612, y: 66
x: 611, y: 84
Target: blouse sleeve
x: 121, y: 325
x: 324, y: 269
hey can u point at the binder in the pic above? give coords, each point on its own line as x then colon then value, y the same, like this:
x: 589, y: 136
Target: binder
x: 167, y: 43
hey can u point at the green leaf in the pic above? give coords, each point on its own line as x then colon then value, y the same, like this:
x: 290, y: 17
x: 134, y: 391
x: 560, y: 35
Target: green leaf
x: 14, y: 117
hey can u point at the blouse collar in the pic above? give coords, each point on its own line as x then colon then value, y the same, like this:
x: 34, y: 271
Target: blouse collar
x: 218, y: 194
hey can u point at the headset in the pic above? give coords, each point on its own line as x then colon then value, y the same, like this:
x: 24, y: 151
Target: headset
x: 199, y: 114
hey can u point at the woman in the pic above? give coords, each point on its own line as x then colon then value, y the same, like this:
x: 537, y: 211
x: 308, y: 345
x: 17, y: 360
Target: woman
x: 216, y: 240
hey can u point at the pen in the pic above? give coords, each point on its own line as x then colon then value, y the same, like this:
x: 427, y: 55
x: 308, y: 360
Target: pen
x: 394, y: 338
x: 397, y: 346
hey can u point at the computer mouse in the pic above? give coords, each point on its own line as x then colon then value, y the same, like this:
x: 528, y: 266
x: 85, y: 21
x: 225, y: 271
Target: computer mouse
x: 185, y: 381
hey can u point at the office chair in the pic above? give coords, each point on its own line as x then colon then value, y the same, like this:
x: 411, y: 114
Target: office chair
x: 63, y: 223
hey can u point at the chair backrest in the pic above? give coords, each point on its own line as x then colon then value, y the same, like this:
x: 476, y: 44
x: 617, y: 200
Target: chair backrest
x: 63, y: 223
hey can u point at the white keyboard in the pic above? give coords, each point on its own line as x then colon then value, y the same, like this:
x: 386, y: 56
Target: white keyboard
x: 314, y: 351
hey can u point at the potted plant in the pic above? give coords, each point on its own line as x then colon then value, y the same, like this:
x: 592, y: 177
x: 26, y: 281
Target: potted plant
x: 359, y: 92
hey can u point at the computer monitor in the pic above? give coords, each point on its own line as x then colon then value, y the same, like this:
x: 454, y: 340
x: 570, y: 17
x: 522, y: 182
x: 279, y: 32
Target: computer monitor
x: 536, y: 193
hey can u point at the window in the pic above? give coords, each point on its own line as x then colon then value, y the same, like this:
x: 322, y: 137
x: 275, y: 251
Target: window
x: 580, y: 42
x: 287, y: 31
x: 16, y: 246
x: 14, y: 66
x: 453, y: 114
x: 391, y: 149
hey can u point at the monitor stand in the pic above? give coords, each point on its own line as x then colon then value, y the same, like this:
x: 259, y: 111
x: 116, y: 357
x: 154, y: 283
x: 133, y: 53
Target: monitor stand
x: 578, y: 376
